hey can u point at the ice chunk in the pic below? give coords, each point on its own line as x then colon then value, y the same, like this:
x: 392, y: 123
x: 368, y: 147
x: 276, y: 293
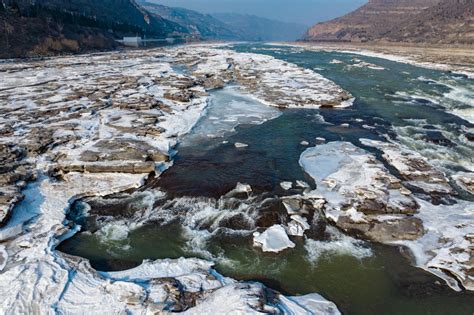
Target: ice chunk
x: 308, y: 304
x: 240, y: 145
x: 274, y: 239
x: 286, y: 185
x: 302, y: 184
x: 297, y: 225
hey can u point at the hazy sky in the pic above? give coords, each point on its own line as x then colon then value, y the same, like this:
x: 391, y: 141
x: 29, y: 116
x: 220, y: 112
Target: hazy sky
x: 301, y: 11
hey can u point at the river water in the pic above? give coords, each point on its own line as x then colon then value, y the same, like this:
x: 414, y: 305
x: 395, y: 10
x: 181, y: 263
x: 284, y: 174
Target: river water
x: 186, y: 213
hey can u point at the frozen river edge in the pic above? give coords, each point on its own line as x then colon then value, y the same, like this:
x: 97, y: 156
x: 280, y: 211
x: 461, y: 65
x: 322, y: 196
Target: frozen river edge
x: 62, y: 118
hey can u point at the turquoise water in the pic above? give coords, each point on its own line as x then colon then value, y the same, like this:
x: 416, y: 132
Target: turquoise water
x: 420, y: 108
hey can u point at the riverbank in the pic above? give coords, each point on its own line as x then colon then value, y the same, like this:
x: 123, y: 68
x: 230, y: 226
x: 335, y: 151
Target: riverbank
x: 447, y: 58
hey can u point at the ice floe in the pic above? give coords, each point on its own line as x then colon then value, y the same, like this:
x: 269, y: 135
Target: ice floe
x: 274, y: 239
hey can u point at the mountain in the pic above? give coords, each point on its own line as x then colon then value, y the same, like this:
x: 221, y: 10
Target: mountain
x: 370, y: 21
x: 256, y: 28
x: 448, y: 22
x: 45, y: 27
x: 227, y: 26
x: 202, y: 26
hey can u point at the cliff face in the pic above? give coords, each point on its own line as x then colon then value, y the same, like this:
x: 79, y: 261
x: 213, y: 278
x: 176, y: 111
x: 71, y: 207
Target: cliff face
x: 369, y: 22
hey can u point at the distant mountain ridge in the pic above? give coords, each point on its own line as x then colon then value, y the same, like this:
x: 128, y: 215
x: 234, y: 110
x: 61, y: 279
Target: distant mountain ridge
x: 448, y: 22
x: 369, y: 21
x: 256, y: 28
x: 199, y: 25
x: 412, y: 21
x: 227, y: 26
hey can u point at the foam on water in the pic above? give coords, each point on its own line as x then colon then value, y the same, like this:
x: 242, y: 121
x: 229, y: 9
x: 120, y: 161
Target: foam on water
x: 338, y: 244
x: 457, y: 97
x: 448, y: 151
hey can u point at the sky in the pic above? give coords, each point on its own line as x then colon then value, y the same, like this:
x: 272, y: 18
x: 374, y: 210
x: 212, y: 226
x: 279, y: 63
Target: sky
x: 306, y: 12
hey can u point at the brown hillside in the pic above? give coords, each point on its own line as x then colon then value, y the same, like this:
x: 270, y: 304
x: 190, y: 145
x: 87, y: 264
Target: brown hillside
x: 369, y: 22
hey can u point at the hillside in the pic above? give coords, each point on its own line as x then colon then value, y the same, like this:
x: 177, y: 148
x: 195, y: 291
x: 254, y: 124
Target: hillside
x: 227, y: 26
x: 448, y: 22
x: 370, y: 21
x: 32, y: 28
x: 199, y: 25
x: 256, y: 28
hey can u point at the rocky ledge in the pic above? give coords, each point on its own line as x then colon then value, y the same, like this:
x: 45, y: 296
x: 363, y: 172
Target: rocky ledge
x: 362, y: 196
x: 416, y: 209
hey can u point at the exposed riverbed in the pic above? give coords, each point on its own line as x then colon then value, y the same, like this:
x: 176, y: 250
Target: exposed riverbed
x: 185, y: 211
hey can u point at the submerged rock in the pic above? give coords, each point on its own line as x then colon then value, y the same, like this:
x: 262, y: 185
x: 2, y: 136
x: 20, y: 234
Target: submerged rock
x: 240, y: 191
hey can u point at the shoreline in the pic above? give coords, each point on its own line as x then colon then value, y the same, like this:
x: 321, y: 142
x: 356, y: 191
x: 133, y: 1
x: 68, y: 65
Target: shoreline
x: 455, y: 59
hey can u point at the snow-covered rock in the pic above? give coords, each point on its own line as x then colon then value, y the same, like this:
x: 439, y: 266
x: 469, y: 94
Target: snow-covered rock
x: 3, y: 257
x: 362, y: 196
x: 286, y: 185
x: 308, y: 304
x: 298, y: 225
x: 349, y: 177
x: 272, y: 81
x: 465, y: 181
x: 414, y: 168
x: 302, y: 184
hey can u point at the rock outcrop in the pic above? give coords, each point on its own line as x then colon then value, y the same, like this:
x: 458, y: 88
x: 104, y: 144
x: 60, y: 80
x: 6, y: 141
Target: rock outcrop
x: 414, y: 209
x: 362, y: 197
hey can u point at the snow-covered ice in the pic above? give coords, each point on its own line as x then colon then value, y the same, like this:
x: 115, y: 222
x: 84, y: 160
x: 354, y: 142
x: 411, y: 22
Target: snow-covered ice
x: 274, y: 239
